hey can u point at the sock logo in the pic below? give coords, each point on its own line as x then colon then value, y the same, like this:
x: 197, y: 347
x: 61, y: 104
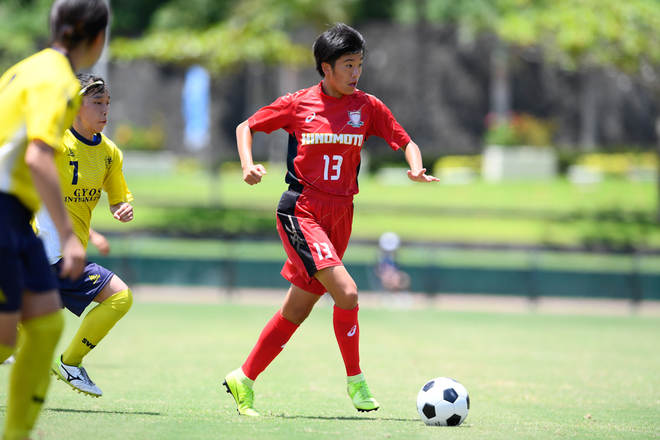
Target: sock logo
x: 353, y: 330
x: 89, y: 344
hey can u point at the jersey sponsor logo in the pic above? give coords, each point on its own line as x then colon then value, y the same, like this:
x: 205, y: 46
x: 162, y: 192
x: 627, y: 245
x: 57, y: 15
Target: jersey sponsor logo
x: 355, y: 119
x: 94, y: 278
x: 352, y: 332
x: 83, y: 195
x: 310, y: 118
x: 87, y: 343
x: 331, y: 138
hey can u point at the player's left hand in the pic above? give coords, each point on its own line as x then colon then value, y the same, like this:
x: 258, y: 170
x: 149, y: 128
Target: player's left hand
x: 420, y: 176
x: 122, y: 212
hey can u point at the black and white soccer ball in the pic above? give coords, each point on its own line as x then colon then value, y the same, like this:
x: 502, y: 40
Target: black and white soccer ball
x: 443, y: 402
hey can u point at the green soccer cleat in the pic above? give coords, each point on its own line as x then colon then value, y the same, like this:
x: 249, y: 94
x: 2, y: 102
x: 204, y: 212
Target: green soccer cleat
x: 358, y: 391
x: 243, y: 394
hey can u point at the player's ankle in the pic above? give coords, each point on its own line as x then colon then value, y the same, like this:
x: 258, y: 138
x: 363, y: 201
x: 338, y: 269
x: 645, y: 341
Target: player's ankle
x: 243, y: 379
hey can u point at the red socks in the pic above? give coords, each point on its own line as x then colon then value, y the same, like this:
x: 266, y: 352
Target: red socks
x: 271, y: 342
x: 347, y: 332
x: 278, y: 331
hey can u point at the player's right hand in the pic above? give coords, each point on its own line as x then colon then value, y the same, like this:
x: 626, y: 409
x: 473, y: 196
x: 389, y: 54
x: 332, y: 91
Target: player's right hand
x: 73, y: 258
x: 100, y: 242
x: 252, y: 175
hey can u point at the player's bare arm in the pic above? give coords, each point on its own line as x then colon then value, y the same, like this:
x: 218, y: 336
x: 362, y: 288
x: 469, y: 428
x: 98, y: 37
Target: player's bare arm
x: 416, y: 173
x: 252, y: 173
x: 100, y: 242
x: 39, y: 158
x: 122, y: 211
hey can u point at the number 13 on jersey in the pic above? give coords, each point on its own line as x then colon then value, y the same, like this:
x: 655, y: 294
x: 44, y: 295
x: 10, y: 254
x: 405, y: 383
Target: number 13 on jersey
x: 332, y: 165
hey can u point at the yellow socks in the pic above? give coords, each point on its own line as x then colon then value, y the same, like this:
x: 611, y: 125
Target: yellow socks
x: 96, y: 325
x: 30, y: 374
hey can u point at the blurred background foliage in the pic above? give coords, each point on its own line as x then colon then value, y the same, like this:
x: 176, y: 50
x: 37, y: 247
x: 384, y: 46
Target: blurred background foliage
x: 223, y: 35
x: 576, y: 34
x: 519, y: 129
x: 22, y: 29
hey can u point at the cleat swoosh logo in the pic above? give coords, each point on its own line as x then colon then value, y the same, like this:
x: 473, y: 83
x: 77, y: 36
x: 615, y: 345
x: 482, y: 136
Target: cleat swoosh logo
x: 352, y: 332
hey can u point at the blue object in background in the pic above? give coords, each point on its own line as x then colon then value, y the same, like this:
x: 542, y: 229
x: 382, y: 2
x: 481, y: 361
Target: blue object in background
x: 195, y: 108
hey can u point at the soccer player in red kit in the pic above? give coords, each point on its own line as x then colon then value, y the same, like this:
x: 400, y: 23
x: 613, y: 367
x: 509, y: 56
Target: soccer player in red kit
x: 328, y: 125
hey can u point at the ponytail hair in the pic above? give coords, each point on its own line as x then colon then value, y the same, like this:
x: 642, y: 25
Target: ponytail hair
x: 76, y: 21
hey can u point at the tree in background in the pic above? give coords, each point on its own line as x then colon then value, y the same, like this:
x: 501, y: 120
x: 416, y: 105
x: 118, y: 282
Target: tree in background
x: 23, y: 29
x: 221, y: 35
x: 585, y: 37
x: 578, y: 36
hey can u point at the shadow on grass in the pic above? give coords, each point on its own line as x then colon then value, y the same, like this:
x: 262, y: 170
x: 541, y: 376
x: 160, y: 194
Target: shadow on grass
x: 89, y: 411
x: 356, y: 418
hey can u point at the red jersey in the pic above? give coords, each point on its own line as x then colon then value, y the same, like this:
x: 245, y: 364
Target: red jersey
x: 327, y: 134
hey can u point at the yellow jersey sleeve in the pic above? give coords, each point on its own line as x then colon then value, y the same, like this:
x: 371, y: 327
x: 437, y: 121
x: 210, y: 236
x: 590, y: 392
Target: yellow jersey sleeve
x: 115, y: 184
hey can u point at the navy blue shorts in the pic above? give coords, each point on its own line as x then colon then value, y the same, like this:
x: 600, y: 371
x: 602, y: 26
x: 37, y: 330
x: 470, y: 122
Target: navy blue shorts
x: 23, y: 262
x: 77, y: 295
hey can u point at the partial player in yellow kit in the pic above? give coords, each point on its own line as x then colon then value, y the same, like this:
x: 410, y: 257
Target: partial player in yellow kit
x: 88, y: 163
x: 38, y: 100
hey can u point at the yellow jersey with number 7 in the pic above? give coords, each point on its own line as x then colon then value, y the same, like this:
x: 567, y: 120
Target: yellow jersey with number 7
x: 85, y: 168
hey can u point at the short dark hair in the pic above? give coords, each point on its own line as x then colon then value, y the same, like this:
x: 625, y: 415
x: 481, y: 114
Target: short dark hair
x: 336, y: 42
x: 74, y: 21
x: 91, y: 84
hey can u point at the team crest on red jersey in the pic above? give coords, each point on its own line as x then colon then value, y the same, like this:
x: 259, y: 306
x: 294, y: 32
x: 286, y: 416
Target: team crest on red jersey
x: 355, y: 119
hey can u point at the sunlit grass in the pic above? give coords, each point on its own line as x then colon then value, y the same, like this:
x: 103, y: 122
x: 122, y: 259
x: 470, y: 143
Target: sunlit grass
x: 528, y: 375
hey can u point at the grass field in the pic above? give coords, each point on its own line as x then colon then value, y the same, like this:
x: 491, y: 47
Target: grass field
x: 538, y: 213
x: 529, y: 375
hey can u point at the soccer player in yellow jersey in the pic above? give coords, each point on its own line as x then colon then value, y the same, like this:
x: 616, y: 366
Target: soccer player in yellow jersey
x: 38, y: 100
x: 87, y: 163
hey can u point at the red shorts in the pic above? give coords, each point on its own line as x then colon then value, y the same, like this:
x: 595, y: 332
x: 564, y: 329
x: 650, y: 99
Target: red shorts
x: 314, y: 228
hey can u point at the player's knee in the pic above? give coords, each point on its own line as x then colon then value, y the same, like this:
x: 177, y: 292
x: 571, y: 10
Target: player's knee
x: 128, y: 299
x: 348, y: 299
x: 121, y: 301
x: 39, y: 327
x: 296, y: 314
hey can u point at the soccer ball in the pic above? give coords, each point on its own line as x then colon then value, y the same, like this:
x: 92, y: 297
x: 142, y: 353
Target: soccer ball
x: 443, y: 402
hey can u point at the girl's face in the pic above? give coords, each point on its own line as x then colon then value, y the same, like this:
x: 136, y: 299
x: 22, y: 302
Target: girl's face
x: 342, y: 79
x: 93, y: 113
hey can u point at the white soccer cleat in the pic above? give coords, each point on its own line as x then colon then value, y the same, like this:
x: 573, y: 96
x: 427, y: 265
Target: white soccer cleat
x: 76, y: 377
